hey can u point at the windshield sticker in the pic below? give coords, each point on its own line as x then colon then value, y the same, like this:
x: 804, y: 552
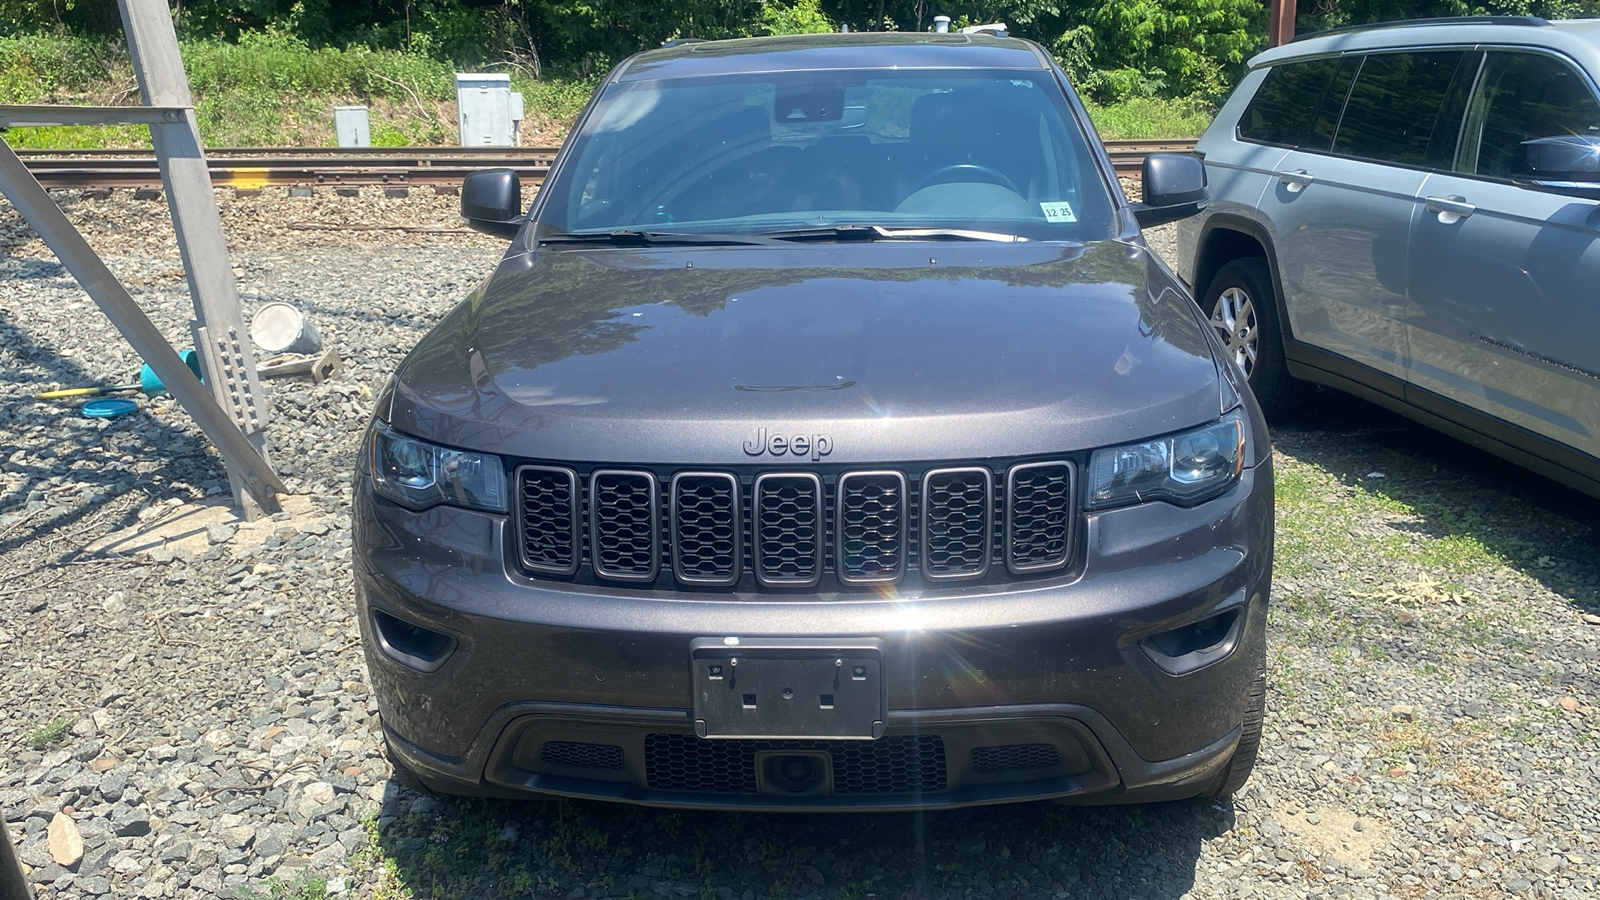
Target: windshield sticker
x: 1060, y: 211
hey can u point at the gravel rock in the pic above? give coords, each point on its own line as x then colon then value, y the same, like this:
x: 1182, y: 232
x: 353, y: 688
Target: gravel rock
x: 66, y: 844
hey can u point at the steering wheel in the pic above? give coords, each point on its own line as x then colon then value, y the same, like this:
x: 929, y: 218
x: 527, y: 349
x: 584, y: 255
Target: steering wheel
x: 988, y: 175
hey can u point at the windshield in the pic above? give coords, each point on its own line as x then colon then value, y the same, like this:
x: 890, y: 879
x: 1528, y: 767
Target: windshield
x: 992, y: 151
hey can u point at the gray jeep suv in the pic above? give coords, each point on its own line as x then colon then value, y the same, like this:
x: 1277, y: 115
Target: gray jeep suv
x: 1410, y: 213
x: 827, y: 437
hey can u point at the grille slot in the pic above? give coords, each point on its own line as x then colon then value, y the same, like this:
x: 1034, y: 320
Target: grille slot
x: 547, y: 513
x: 789, y: 516
x: 1015, y: 756
x: 898, y: 764
x: 871, y: 530
x: 957, y: 523
x: 586, y: 756
x: 1039, y: 514
x: 707, y: 528
x: 624, y: 539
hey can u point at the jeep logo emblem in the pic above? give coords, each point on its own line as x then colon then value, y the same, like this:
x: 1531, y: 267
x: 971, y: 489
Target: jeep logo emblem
x: 818, y: 445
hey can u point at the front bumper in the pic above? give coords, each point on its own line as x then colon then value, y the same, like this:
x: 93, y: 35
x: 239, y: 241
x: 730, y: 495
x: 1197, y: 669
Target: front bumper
x: 997, y: 693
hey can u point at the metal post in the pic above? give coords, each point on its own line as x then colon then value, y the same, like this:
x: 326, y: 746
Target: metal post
x: 39, y: 211
x: 1280, y: 22
x: 219, y: 329
x: 13, y: 886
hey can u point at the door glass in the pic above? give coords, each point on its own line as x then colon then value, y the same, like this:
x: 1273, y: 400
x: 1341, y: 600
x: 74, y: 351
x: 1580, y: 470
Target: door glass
x: 1327, y: 120
x: 1522, y: 97
x: 1394, y: 106
x: 1281, y: 111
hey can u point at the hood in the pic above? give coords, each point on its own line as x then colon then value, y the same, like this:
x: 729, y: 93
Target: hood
x: 896, y: 351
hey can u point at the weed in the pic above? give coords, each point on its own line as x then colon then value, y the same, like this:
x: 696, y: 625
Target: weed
x: 48, y: 733
x: 1149, y: 118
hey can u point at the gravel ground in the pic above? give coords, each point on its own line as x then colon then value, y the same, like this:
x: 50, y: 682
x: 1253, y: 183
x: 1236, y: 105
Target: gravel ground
x: 193, y: 721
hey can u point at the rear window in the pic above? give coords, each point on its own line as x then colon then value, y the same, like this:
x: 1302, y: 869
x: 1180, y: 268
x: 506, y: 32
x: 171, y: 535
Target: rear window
x: 975, y: 149
x: 1283, y: 108
x: 1394, y: 105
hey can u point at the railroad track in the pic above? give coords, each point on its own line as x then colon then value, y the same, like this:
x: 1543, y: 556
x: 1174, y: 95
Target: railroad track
x: 252, y: 168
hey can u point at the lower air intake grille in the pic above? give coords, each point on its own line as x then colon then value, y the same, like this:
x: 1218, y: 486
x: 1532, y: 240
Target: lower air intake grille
x: 587, y: 756
x: 1015, y: 756
x: 1038, y: 516
x: 788, y: 524
x: 903, y: 764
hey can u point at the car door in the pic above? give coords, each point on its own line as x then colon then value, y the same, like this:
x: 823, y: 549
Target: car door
x: 1504, y: 313
x: 1340, y: 210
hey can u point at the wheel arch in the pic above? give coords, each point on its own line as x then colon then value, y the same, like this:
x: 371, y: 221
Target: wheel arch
x: 1225, y: 238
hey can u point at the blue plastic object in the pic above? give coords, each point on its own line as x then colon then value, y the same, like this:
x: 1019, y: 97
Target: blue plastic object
x: 151, y: 384
x: 108, y: 408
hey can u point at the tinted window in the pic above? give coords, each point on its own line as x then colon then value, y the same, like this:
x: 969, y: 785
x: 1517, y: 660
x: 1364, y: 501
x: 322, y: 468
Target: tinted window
x: 1282, y: 110
x: 1523, y: 97
x: 1326, y: 123
x: 1394, y: 105
x: 996, y: 151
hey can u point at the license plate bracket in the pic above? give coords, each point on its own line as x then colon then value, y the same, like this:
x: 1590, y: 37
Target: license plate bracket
x: 788, y: 688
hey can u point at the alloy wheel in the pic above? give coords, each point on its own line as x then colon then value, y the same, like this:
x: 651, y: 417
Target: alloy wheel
x: 1234, y: 318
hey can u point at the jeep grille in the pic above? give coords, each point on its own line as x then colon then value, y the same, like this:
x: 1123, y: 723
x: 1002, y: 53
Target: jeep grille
x: 790, y: 530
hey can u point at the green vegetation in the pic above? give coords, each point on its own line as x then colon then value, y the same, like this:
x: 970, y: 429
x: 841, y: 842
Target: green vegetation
x: 1148, y: 118
x: 266, y: 90
x: 48, y: 733
x: 303, y: 888
x: 273, y: 89
x: 1115, y: 49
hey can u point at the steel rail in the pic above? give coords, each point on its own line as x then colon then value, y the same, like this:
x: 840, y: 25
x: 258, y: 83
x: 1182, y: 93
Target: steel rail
x: 249, y: 168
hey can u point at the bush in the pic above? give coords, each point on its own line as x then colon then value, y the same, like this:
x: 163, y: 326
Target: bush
x: 39, y: 68
x: 1152, y: 118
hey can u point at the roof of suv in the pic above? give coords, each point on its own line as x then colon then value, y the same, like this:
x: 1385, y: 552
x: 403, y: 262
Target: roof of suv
x: 1576, y: 37
x: 817, y: 52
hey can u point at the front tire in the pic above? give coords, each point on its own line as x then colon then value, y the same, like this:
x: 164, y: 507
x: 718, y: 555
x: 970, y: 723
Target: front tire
x: 1243, y: 761
x: 1243, y: 309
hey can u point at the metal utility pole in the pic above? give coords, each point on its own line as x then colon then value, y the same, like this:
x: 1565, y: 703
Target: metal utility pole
x: 232, y: 415
x: 1280, y: 22
x: 13, y: 886
x: 219, y: 331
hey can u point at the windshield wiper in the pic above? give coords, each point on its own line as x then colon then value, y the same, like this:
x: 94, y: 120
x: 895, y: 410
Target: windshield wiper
x: 631, y: 237
x: 881, y: 233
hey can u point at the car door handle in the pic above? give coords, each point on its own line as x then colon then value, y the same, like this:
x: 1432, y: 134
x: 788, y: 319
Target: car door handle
x: 1297, y: 180
x: 1451, y: 209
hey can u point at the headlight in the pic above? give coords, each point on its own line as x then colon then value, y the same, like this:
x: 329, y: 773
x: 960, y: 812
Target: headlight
x: 1184, y: 469
x: 419, y: 474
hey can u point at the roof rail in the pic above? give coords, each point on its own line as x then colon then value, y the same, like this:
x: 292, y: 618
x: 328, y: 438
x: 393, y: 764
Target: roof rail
x: 1525, y: 21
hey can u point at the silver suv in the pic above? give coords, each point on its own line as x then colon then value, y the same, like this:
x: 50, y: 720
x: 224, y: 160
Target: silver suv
x: 1410, y: 213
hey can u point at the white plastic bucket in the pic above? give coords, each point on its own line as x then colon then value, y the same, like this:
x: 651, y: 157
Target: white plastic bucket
x: 280, y: 328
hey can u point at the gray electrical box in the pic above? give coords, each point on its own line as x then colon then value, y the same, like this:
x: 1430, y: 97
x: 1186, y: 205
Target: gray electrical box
x: 487, y: 111
x: 350, y: 123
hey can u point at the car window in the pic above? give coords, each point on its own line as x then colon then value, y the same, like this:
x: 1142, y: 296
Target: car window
x: 1286, y: 103
x: 997, y: 151
x: 1523, y: 97
x: 1394, y: 105
x: 1326, y: 123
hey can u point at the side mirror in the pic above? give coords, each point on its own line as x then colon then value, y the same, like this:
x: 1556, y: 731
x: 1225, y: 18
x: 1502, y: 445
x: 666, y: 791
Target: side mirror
x: 491, y: 202
x: 1563, y: 164
x: 1174, y: 188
